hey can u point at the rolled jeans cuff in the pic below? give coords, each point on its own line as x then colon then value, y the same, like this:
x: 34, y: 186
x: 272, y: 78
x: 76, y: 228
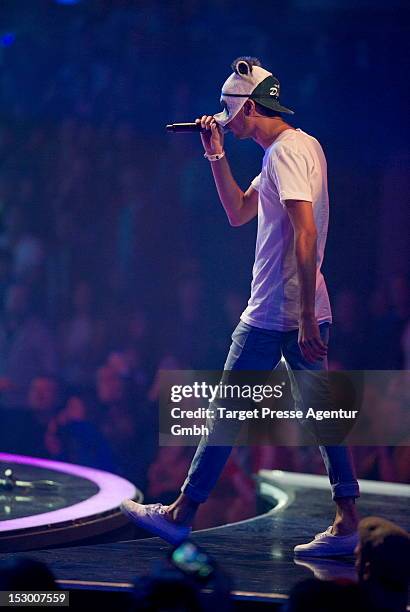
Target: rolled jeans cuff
x: 345, y: 489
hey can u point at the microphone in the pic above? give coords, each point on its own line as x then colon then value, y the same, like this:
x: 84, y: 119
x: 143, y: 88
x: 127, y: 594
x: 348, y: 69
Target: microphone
x: 177, y: 128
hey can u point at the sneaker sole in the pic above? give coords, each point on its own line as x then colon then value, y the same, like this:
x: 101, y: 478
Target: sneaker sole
x: 318, y: 553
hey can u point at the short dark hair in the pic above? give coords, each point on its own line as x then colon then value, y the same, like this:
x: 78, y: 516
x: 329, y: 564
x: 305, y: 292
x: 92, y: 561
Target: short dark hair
x: 386, y: 547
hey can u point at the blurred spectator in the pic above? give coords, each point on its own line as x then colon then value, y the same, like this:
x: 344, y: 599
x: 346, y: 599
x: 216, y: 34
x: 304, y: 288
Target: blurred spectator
x: 44, y: 398
x: 26, y: 574
x: 72, y: 436
x: 170, y: 592
x: 383, y: 463
x: 387, y: 398
x: 126, y: 423
x: 136, y: 355
x: 386, y: 324
x: 187, y: 580
x: 186, y: 325
x: 76, y: 335
x: 27, y: 347
x: 383, y: 564
x: 167, y: 361
x: 129, y: 362
x: 314, y: 595
x: 23, y: 430
x: 28, y: 250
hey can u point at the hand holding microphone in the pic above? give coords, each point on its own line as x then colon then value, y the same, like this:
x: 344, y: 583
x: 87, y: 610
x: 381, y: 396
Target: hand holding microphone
x: 212, y: 135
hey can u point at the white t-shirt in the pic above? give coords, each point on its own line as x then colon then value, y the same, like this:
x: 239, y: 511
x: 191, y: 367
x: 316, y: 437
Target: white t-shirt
x: 294, y: 167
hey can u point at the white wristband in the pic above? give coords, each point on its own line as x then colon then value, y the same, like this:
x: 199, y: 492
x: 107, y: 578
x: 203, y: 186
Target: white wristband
x: 215, y: 156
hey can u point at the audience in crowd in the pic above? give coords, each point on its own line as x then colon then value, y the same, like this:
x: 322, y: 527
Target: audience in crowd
x: 76, y: 334
x: 127, y: 422
x: 27, y: 346
x: 21, y: 573
x: 72, y: 434
x: 24, y: 428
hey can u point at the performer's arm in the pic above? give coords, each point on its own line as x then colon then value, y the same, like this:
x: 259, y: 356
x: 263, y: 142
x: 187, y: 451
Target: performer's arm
x: 239, y: 206
x: 305, y: 235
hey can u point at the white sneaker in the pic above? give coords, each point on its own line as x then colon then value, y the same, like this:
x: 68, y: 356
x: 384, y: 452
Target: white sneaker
x: 151, y: 517
x: 326, y: 544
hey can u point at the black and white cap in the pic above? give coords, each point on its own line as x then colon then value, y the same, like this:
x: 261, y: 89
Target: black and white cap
x: 249, y: 80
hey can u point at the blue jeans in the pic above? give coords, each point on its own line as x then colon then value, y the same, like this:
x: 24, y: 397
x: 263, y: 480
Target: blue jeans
x: 256, y: 349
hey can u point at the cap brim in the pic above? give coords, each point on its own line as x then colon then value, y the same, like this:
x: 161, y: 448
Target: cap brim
x: 273, y: 105
x: 222, y: 118
x: 283, y: 109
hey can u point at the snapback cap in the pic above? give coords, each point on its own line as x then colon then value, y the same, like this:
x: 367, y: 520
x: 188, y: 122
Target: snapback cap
x: 249, y: 81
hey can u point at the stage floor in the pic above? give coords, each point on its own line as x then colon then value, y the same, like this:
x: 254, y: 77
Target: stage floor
x: 257, y: 553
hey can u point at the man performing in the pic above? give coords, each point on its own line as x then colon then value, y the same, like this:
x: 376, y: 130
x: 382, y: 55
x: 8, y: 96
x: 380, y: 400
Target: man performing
x: 288, y: 314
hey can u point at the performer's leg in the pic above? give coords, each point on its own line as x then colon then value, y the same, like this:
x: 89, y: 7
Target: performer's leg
x: 251, y: 349
x: 337, y: 459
